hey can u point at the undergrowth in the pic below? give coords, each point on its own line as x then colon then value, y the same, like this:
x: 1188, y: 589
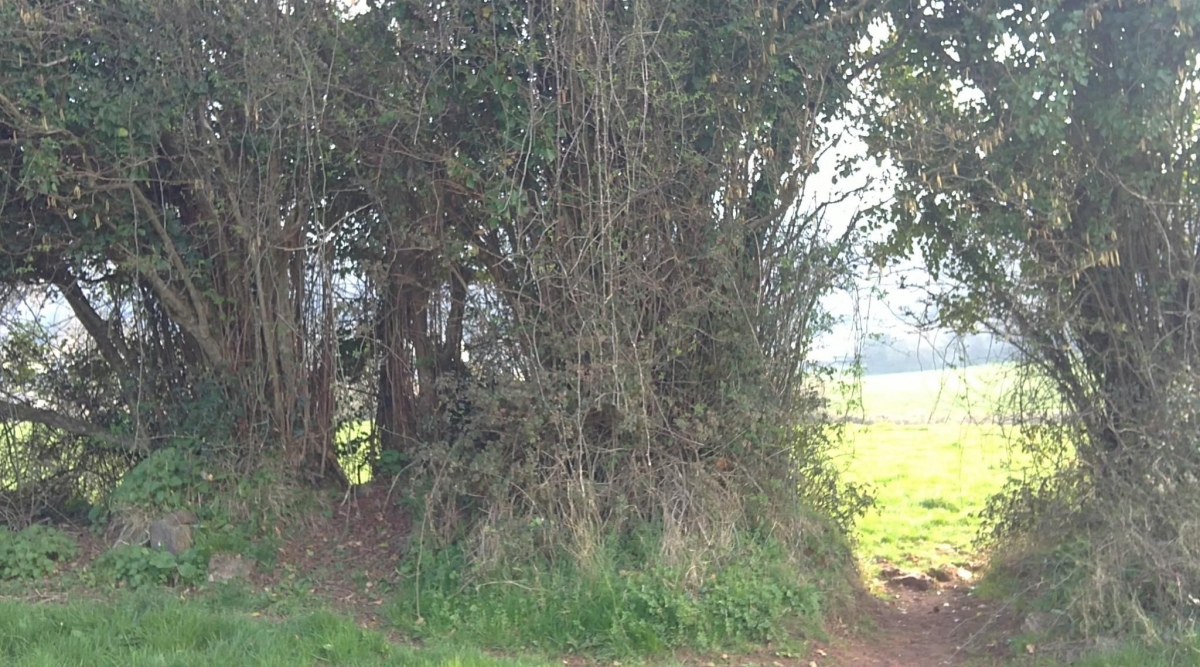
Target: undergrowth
x: 136, y: 566
x: 34, y: 552
x: 628, y: 603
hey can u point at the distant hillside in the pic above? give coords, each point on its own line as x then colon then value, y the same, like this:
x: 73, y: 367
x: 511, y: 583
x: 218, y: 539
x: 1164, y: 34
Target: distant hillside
x: 888, y: 354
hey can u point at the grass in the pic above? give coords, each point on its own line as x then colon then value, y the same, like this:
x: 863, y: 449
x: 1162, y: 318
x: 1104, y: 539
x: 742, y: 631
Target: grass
x: 927, y: 447
x: 921, y: 397
x: 930, y: 482
x: 931, y: 456
x: 157, y: 628
x: 1135, y: 655
x: 626, y: 605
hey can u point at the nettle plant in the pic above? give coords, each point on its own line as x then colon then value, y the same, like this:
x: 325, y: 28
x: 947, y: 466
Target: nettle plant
x: 136, y: 566
x: 168, y: 479
x: 34, y: 552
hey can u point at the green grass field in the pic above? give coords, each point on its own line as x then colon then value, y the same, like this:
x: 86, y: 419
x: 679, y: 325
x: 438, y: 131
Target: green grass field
x: 970, y: 394
x: 933, y: 458
x: 930, y: 482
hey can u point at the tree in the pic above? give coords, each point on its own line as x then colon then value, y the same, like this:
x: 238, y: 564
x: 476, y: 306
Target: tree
x: 562, y: 243
x: 1049, y: 179
x: 164, y: 173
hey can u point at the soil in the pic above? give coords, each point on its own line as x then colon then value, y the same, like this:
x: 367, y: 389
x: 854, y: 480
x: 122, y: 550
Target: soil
x: 945, y: 625
x: 348, y: 556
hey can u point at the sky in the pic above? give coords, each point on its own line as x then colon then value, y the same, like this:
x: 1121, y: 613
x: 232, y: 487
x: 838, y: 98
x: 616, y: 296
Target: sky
x: 875, y: 309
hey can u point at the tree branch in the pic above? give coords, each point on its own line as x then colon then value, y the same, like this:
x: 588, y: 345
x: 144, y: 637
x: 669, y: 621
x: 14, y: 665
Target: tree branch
x: 10, y: 411
x: 111, y: 348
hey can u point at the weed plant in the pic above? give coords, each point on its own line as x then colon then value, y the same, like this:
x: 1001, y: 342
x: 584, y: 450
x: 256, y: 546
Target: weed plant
x: 627, y: 604
x: 137, y: 566
x: 34, y: 552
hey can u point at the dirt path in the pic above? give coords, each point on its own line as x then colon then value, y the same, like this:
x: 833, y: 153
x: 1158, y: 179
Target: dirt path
x: 944, y: 626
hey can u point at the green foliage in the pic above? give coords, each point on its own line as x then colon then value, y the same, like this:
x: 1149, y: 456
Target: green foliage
x: 630, y: 605
x: 1048, y: 179
x: 168, y: 479
x: 137, y: 566
x: 34, y: 552
x: 150, y: 627
x: 573, y: 258
x: 241, y: 539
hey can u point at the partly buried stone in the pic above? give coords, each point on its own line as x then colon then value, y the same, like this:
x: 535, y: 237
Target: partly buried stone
x: 173, y: 532
x: 943, y: 574
x: 227, y: 567
x: 914, y: 582
x: 1040, y: 623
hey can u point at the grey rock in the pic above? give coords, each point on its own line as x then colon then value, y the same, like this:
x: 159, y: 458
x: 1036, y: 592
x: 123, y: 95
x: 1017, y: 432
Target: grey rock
x: 1039, y: 623
x: 227, y: 567
x: 173, y: 532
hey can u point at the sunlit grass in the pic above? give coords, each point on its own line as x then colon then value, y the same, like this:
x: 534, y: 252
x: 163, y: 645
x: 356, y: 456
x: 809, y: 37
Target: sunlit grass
x: 354, y: 445
x: 156, y: 628
x: 933, y: 457
x: 931, y: 481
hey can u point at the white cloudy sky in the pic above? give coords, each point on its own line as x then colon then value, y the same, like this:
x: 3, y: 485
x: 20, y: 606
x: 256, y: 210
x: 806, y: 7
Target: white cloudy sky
x: 875, y: 303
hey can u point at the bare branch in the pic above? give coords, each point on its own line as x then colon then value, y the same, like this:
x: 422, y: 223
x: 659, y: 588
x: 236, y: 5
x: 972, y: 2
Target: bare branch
x: 18, y: 412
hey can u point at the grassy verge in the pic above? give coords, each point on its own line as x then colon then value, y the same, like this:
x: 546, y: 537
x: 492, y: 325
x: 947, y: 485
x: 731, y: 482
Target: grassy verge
x: 1181, y: 654
x: 157, y: 628
x: 1172, y: 656
x: 628, y: 605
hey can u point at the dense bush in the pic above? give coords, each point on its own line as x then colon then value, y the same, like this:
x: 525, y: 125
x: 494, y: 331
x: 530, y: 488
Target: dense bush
x: 543, y: 308
x: 1048, y: 179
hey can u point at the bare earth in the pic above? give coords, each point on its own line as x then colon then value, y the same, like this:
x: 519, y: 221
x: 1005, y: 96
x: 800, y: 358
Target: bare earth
x: 945, y: 626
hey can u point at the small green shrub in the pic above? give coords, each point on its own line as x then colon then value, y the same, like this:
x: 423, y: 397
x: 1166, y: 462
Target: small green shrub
x: 34, y: 552
x: 239, y: 539
x: 938, y: 504
x: 138, y: 566
x: 167, y: 480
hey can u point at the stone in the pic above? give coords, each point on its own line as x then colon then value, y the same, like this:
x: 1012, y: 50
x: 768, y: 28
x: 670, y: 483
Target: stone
x: 173, y: 532
x: 1039, y: 623
x: 944, y: 574
x: 227, y: 567
x: 913, y: 582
